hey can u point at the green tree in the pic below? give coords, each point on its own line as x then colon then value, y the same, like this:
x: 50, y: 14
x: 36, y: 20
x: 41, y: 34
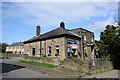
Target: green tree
x: 3, y: 47
x: 109, y: 45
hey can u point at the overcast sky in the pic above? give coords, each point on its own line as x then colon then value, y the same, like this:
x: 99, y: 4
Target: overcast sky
x: 20, y: 18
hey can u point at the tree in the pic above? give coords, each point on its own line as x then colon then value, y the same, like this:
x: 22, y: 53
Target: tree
x: 109, y: 45
x: 3, y: 47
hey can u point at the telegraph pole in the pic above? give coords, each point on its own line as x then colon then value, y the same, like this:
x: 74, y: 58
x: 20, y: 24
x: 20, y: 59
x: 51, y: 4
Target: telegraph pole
x: 117, y: 20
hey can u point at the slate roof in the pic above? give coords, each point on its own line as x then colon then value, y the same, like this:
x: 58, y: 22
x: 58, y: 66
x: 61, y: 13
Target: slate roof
x: 53, y: 33
x: 17, y: 44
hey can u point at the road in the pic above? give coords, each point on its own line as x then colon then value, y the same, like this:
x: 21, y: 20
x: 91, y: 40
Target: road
x: 14, y: 71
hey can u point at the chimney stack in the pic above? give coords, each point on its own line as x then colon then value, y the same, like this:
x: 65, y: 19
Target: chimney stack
x: 62, y: 24
x: 37, y: 30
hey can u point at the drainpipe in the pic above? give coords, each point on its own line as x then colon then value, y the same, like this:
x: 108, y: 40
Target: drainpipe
x: 82, y: 49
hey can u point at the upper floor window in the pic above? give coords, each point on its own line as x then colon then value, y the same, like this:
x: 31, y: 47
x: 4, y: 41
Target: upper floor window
x: 85, y: 38
x: 92, y: 40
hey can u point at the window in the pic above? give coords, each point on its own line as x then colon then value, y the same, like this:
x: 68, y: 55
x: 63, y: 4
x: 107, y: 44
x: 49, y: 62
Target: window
x: 68, y: 51
x: 49, y: 51
x: 92, y: 40
x: 57, y: 50
x: 40, y: 51
x: 85, y: 37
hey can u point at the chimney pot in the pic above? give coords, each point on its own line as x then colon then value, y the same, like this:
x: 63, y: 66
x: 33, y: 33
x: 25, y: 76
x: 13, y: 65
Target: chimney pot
x: 62, y: 24
x: 37, y: 30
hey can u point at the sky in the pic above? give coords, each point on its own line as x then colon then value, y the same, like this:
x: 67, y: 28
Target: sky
x: 19, y: 19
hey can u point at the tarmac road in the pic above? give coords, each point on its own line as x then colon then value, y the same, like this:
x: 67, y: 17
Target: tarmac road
x: 14, y: 71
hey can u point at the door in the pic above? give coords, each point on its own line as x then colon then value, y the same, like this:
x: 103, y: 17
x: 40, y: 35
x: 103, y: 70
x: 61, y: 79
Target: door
x: 33, y: 51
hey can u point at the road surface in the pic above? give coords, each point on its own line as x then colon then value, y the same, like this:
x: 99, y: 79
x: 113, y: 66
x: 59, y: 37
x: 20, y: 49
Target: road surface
x: 14, y: 71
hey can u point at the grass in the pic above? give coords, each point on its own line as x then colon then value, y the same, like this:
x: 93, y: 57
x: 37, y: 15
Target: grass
x: 38, y: 64
x: 1, y: 57
x: 61, y: 62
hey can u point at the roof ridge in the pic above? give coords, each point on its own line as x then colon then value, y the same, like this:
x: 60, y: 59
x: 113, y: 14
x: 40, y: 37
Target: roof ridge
x: 74, y: 33
x: 62, y: 29
x: 50, y: 31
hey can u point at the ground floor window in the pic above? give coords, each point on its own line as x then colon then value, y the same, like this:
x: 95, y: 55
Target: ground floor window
x: 74, y: 52
x: 57, y: 50
x: 49, y: 51
x: 15, y: 52
x: 68, y: 51
x: 86, y: 55
x: 40, y: 51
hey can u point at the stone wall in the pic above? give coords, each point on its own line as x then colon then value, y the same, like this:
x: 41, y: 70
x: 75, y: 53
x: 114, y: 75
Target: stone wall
x: 54, y: 61
x: 87, y: 65
x: 7, y: 55
x: 41, y: 48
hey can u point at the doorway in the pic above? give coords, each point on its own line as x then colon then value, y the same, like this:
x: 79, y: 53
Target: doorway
x: 33, y: 51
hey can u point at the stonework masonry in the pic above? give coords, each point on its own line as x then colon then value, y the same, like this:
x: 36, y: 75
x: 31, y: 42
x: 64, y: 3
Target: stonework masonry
x: 41, y: 48
x: 87, y: 65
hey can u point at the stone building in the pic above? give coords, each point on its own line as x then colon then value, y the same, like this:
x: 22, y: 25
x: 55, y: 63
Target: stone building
x: 16, y: 48
x: 61, y: 43
x: 87, y: 42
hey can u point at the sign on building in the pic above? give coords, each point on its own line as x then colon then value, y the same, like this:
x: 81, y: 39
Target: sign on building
x: 72, y: 42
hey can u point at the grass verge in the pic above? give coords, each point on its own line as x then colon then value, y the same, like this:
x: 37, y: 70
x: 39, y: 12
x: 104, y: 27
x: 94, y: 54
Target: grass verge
x: 1, y: 57
x: 38, y: 64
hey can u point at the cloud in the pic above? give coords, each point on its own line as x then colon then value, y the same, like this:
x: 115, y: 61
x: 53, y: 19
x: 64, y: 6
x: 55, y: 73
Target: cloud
x: 99, y: 26
x: 60, y: 0
x: 50, y: 14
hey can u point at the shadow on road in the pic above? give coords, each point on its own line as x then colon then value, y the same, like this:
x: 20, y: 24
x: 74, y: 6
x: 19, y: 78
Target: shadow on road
x: 9, y: 67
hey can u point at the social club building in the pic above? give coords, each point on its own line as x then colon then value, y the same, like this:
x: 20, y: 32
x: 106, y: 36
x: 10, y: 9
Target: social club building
x: 60, y: 43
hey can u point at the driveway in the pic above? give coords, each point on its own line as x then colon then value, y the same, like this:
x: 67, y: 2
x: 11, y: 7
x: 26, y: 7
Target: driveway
x: 15, y: 71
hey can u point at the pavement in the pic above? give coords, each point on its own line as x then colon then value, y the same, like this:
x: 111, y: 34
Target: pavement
x: 108, y: 74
